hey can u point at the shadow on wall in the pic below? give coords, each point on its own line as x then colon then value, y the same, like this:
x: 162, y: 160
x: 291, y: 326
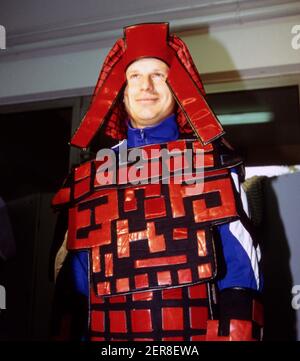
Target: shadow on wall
x: 279, y: 231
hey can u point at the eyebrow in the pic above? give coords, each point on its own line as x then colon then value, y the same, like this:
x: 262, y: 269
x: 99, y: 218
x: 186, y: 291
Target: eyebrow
x: 154, y: 70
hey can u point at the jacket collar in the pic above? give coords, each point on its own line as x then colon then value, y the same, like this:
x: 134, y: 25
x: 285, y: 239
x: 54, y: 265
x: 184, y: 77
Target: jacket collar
x: 165, y: 131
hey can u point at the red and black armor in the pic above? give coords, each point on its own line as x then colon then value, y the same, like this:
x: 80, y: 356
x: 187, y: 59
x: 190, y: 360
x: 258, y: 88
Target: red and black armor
x: 148, y: 237
x: 151, y: 235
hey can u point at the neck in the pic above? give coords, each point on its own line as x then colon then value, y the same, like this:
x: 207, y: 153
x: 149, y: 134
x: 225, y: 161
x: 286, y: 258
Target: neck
x: 165, y: 131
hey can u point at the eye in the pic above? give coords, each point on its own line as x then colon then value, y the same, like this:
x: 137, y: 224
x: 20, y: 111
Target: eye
x: 133, y: 76
x: 159, y: 75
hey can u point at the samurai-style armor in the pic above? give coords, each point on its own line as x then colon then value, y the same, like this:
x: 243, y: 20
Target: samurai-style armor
x: 153, y: 257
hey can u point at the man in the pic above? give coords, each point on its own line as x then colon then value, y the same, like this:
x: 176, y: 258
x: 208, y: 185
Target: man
x: 157, y: 261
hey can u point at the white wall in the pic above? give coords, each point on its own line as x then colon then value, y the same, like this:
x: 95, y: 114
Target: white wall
x: 260, y: 44
x: 42, y: 77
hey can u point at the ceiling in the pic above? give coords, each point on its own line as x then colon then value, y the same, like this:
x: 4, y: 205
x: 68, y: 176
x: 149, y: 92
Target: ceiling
x: 37, y: 24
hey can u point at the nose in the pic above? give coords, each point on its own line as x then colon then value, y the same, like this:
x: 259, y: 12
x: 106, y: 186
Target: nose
x: 147, y: 83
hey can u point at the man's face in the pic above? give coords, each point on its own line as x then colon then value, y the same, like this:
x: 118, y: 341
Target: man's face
x: 147, y: 97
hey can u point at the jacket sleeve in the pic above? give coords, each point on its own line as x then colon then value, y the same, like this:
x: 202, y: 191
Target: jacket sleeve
x: 240, y: 281
x: 70, y: 305
x: 241, y: 252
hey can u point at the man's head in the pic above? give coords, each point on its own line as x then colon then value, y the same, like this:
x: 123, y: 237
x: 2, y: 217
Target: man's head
x: 151, y: 103
x: 147, y: 97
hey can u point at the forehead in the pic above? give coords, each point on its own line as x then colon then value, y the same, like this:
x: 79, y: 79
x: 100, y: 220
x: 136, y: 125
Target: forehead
x: 147, y: 65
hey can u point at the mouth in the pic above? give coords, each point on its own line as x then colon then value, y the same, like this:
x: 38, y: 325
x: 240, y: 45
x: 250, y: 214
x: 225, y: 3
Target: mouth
x: 147, y: 100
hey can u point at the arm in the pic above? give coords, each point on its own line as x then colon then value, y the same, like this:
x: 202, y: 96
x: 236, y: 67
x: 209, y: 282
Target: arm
x: 240, y: 282
x: 70, y: 308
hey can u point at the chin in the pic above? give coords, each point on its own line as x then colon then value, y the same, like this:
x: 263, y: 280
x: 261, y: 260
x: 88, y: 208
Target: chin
x: 147, y: 118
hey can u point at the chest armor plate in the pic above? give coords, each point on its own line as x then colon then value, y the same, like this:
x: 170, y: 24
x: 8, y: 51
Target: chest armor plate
x: 147, y: 236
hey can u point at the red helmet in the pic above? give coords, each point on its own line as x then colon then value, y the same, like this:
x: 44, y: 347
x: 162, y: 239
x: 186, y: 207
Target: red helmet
x: 107, y: 109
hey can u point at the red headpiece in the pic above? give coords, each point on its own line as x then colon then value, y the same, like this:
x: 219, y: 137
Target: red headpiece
x: 140, y: 41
